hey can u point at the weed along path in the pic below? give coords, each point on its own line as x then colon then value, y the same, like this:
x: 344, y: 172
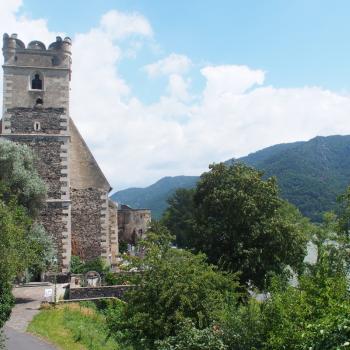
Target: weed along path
x: 28, y: 299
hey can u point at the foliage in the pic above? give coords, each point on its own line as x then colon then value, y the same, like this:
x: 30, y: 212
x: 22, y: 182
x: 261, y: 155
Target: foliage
x: 42, y: 250
x: 18, y: 176
x: 178, y: 217
x: 74, y: 327
x: 314, y: 314
x: 191, y: 338
x: 80, y: 267
x: 23, y: 243
x: 6, y: 302
x: 76, y: 264
x: 120, y: 278
x: 174, y: 286
x: 243, y: 325
x: 243, y: 225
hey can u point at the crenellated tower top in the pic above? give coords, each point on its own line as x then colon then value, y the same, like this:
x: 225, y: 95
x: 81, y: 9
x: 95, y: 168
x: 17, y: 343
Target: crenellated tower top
x: 36, y: 75
x: 14, y: 48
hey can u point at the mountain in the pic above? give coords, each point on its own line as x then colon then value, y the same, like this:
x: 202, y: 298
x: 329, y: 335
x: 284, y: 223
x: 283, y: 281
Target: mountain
x: 311, y: 174
x: 155, y: 196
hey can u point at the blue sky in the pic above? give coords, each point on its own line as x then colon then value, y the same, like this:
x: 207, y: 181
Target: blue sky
x: 299, y: 42
x: 166, y: 87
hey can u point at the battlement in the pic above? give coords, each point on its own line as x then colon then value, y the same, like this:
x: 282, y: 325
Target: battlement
x: 16, y: 53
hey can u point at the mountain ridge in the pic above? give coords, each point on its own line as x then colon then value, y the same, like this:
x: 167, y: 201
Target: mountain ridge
x: 310, y: 174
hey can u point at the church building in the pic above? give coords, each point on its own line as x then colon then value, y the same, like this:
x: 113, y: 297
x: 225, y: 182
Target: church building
x: 78, y: 215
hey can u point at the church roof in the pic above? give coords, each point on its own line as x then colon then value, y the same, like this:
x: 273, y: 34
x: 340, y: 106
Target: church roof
x: 84, y: 170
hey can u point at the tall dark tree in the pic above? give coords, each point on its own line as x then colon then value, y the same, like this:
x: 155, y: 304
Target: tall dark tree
x: 178, y: 217
x: 242, y: 224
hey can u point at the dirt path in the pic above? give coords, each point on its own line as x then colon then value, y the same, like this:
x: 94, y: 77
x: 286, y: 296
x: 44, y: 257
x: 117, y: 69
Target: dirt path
x: 28, y: 299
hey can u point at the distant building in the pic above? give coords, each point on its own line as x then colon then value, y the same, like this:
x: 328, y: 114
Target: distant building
x: 78, y: 215
x: 132, y: 224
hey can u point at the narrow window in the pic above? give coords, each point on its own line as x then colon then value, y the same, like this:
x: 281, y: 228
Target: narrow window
x: 39, y: 101
x: 36, y: 126
x: 37, y: 83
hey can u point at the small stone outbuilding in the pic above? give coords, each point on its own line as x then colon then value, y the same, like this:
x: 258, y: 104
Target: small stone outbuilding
x: 132, y: 224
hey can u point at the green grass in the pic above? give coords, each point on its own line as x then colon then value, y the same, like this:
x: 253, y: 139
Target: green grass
x: 73, y: 327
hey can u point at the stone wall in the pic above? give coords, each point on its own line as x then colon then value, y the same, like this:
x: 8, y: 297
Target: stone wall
x: 87, y: 219
x: 55, y: 219
x: 98, y: 292
x: 132, y: 223
x: 50, y: 119
x: 113, y: 230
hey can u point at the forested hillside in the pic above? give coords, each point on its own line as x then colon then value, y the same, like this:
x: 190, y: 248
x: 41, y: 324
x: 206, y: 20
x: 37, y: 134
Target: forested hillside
x: 310, y: 174
x: 154, y: 196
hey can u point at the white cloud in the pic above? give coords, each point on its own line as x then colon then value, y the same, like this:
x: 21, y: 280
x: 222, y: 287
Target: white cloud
x: 172, y: 64
x: 230, y: 79
x: 178, y: 87
x: 25, y: 27
x: 119, y: 25
x: 135, y: 143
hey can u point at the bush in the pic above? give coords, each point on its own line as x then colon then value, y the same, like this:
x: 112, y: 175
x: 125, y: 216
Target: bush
x: 174, y: 286
x: 191, y: 338
x: 79, y: 266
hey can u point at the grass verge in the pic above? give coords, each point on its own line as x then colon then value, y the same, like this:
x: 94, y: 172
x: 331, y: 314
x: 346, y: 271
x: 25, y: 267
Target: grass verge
x: 73, y: 327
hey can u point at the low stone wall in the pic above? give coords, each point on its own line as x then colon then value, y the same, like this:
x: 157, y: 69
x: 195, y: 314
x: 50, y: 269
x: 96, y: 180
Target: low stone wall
x: 98, y: 292
x: 60, y: 277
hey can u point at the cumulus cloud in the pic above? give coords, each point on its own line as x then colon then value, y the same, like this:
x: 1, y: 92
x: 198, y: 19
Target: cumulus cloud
x: 28, y: 28
x: 230, y: 79
x: 119, y: 25
x: 172, y: 64
x: 137, y: 143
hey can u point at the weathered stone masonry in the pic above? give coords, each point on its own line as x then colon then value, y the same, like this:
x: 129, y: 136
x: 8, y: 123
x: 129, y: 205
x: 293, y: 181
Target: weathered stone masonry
x: 86, y: 222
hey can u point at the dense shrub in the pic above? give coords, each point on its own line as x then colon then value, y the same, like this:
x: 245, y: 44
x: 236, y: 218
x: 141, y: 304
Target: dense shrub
x: 174, y: 286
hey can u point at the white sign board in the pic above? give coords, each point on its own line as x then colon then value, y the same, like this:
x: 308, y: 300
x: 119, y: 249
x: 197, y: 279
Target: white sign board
x: 48, y: 293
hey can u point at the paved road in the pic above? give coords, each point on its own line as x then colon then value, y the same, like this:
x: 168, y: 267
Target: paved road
x: 28, y: 301
x: 23, y: 341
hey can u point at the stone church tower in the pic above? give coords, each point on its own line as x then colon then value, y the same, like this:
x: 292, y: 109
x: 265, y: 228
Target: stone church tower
x: 78, y: 213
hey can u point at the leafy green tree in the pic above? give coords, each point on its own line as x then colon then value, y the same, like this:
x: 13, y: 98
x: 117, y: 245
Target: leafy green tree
x: 174, y: 286
x: 79, y: 266
x: 178, y: 217
x: 191, y: 338
x: 242, y: 224
x: 243, y: 325
x: 19, y: 178
x: 315, y: 314
x: 23, y: 242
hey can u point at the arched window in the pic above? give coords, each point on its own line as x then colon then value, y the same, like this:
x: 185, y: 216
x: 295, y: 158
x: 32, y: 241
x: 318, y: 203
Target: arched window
x: 37, y: 81
x: 37, y: 126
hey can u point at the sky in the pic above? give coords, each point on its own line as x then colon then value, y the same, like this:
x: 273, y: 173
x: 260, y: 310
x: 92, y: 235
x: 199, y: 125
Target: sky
x: 164, y: 88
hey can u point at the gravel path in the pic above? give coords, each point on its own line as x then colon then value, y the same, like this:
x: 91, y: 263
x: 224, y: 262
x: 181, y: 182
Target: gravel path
x: 28, y: 299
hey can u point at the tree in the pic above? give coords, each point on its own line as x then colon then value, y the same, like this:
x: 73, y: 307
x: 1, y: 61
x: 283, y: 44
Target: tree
x: 242, y: 224
x: 178, y: 217
x: 174, y: 286
x: 23, y: 242
x: 191, y: 338
x: 314, y: 313
x: 19, y: 178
